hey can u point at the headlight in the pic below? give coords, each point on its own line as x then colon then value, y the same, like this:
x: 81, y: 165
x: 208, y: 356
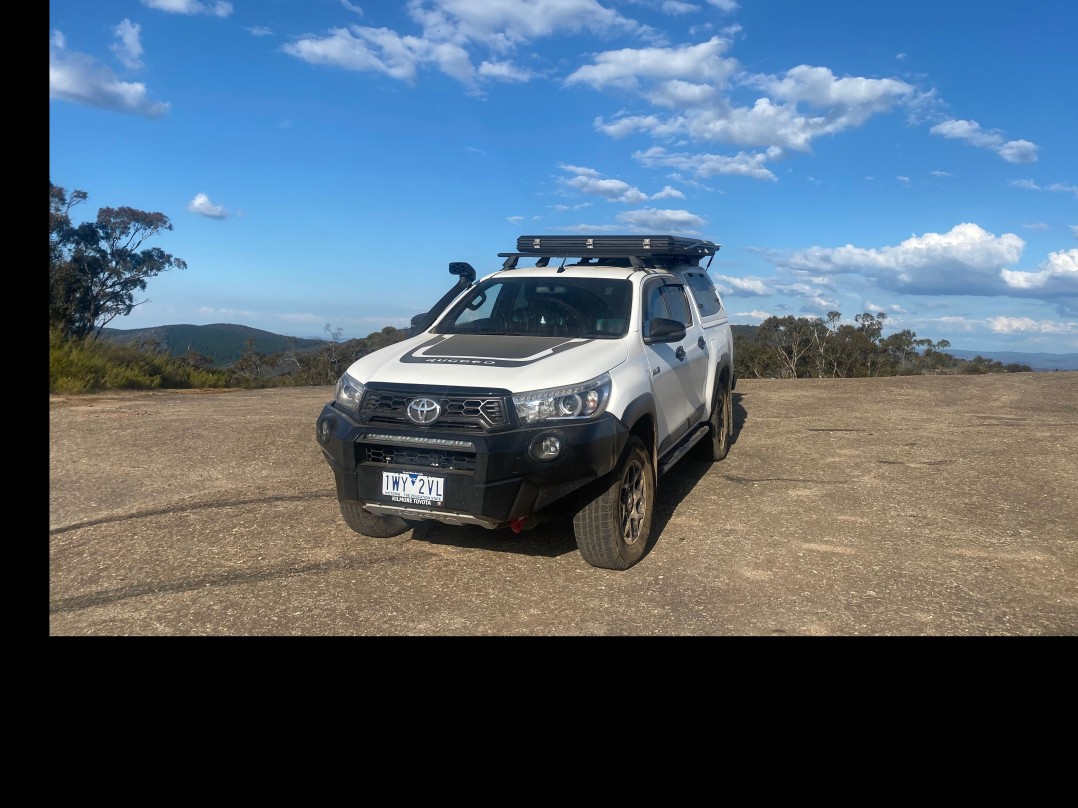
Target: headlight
x: 576, y: 402
x: 349, y: 394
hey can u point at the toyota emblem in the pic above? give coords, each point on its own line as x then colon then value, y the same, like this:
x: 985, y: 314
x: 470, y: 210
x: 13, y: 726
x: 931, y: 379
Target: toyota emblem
x: 423, y: 411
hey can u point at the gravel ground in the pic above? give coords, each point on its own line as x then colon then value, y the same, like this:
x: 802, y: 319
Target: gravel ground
x: 914, y: 506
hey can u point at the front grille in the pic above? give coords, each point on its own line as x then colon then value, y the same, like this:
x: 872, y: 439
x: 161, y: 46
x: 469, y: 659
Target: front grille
x: 380, y: 454
x: 459, y: 412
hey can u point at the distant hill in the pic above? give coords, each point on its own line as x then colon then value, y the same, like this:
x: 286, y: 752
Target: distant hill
x: 1037, y: 361
x: 223, y: 343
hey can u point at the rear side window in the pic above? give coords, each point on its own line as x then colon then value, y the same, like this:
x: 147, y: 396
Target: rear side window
x: 703, y: 289
x: 668, y: 301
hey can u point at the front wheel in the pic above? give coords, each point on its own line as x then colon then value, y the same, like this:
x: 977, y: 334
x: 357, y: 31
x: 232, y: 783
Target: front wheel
x: 372, y: 525
x: 612, y: 529
x: 716, y: 445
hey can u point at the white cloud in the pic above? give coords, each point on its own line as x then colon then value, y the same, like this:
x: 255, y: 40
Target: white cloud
x: 363, y: 49
x: 503, y: 71
x: 515, y: 219
x: 506, y: 23
x: 1057, y: 275
x: 202, y: 205
x: 1055, y: 187
x: 1011, y: 325
x: 582, y: 170
x: 709, y: 165
x: 1013, y: 151
x: 226, y: 314
x: 856, y: 96
x: 632, y: 123
x: 128, y: 49
x: 665, y: 221
x: 259, y: 30
x: 625, y: 68
x: 668, y: 193
x: 675, y: 7
x: 917, y: 261
x: 1074, y: 230
x: 80, y: 79
x: 587, y: 181
x: 746, y: 286
x: 190, y: 7
x: 352, y: 7
x: 451, y: 29
x: 756, y: 314
x: 692, y: 80
x: 941, y: 173
x: 967, y: 260
x: 678, y: 94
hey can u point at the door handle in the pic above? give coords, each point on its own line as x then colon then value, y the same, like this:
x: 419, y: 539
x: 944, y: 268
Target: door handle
x: 701, y: 343
x: 680, y: 353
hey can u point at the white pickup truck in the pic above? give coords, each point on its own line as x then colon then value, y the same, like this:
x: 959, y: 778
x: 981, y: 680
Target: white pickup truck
x: 561, y: 386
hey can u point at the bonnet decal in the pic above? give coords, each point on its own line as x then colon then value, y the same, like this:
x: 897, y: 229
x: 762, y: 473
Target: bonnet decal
x: 487, y: 351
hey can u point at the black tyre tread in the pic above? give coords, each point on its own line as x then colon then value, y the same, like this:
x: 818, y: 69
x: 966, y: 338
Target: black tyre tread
x: 596, y: 525
x: 716, y: 446
x: 372, y: 525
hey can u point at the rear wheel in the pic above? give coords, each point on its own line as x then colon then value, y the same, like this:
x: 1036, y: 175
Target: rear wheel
x: 717, y: 443
x: 612, y: 529
x: 372, y: 525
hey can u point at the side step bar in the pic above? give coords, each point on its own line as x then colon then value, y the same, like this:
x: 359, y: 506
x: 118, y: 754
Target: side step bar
x: 679, y: 451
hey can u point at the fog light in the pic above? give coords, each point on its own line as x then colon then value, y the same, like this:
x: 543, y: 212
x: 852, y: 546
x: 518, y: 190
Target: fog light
x: 547, y: 447
x: 323, y: 430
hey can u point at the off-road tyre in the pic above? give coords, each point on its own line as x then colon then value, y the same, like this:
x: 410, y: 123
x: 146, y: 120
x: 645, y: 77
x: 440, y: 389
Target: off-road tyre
x: 716, y: 444
x: 372, y: 525
x: 613, y: 527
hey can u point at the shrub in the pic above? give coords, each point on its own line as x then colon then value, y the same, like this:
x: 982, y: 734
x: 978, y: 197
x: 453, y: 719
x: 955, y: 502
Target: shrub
x: 88, y: 366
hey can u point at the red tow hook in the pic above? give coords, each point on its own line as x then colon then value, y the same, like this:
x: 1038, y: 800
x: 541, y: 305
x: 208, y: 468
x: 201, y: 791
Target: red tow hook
x: 518, y: 524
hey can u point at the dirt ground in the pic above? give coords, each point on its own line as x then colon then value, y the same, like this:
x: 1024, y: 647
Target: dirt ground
x: 915, y: 506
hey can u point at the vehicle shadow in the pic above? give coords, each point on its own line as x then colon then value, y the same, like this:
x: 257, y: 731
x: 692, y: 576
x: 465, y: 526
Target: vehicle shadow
x: 555, y: 538
x: 686, y: 474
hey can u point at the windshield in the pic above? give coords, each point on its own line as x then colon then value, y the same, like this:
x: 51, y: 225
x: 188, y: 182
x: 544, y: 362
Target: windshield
x: 570, y: 307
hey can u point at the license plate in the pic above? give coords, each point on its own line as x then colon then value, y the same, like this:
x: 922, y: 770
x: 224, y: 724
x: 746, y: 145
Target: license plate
x: 412, y: 488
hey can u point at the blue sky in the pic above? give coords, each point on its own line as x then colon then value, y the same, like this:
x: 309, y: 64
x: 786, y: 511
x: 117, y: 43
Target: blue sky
x: 322, y: 161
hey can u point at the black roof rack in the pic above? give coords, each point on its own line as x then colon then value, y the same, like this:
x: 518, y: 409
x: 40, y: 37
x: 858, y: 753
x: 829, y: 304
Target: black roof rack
x: 637, y: 251
x: 614, y: 246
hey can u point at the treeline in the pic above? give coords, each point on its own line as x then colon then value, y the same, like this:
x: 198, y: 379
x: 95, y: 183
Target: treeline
x: 97, y: 268
x: 88, y: 365
x: 779, y: 348
x: 812, y: 347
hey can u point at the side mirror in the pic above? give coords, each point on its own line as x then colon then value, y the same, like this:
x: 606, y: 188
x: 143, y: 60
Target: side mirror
x: 660, y: 329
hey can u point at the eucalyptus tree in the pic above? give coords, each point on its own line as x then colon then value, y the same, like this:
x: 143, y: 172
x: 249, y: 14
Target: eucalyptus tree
x: 96, y: 268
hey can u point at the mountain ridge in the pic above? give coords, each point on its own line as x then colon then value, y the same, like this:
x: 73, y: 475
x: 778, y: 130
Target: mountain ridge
x: 222, y: 343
